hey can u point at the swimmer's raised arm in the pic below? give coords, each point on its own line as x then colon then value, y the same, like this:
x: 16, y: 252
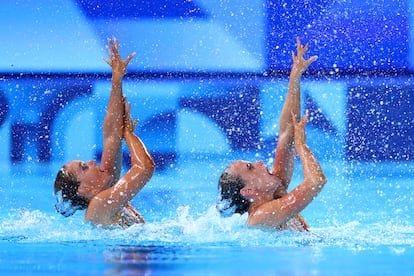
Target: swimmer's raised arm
x: 113, y: 123
x: 285, y: 154
x: 140, y: 156
x: 97, y: 188
x: 278, y: 211
x: 108, y: 203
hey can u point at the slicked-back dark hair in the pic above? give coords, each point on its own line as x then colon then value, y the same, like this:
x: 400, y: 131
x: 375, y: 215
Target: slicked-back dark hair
x: 68, y: 185
x: 229, y: 186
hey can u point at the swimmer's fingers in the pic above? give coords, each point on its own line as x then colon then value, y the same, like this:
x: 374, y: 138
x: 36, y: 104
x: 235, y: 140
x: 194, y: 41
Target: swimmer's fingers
x: 305, y: 118
x: 135, y: 122
x: 297, y: 122
x: 127, y: 105
x: 108, y: 61
x: 299, y: 128
x: 298, y: 44
x: 300, y: 48
x: 115, y: 60
x: 128, y: 59
x: 299, y: 60
x: 115, y: 45
x: 311, y: 59
x: 127, y: 109
x: 112, y: 49
x: 128, y: 122
x: 294, y: 118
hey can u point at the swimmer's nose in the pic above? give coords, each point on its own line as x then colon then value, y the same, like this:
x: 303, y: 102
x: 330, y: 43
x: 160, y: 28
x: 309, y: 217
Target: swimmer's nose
x: 91, y: 163
x: 260, y: 163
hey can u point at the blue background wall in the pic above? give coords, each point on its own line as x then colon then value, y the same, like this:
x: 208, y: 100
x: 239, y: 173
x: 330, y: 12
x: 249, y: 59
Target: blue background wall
x: 209, y: 76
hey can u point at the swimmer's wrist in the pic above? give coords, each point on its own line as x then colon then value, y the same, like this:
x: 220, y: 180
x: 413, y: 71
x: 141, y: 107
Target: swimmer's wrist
x: 300, y: 147
x: 297, y: 71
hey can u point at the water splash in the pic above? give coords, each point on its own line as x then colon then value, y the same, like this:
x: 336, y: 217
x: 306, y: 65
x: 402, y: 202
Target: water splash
x: 187, y: 229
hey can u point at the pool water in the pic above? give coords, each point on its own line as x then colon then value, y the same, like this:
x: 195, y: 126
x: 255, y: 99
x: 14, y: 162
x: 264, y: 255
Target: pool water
x: 361, y: 223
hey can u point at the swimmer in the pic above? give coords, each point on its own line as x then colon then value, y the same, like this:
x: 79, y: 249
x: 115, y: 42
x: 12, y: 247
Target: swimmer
x: 250, y: 187
x: 99, y: 188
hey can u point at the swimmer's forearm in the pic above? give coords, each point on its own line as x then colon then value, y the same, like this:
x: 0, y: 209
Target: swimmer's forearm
x: 292, y: 104
x: 139, y: 153
x: 115, y: 112
x: 114, y: 115
x: 285, y: 152
x: 311, y: 168
x: 112, y: 130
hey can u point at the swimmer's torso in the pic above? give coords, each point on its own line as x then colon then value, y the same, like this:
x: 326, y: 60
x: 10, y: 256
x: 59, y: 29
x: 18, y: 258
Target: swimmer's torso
x: 297, y: 223
x: 127, y: 217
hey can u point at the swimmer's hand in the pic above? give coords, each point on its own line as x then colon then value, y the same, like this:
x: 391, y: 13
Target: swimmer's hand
x: 300, y: 64
x: 299, y: 127
x: 129, y: 124
x: 118, y: 65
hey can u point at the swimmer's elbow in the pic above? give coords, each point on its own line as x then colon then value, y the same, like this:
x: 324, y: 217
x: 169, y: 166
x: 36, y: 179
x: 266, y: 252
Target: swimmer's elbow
x: 322, y: 179
x: 150, y: 169
x: 150, y: 166
x: 319, y: 181
x: 318, y: 177
x: 146, y: 170
x: 325, y: 180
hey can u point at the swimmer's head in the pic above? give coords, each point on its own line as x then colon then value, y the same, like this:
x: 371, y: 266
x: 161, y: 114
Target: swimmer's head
x: 66, y: 192
x: 230, y: 200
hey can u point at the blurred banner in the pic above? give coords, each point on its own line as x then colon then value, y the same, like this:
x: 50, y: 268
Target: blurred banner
x: 209, y: 76
x: 203, y: 35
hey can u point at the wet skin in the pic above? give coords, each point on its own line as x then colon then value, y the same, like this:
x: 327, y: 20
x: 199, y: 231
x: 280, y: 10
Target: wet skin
x: 92, y: 178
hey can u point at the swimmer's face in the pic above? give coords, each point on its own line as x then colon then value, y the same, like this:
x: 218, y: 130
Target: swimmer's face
x: 250, y: 171
x: 256, y: 176
x: 91, y: 178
